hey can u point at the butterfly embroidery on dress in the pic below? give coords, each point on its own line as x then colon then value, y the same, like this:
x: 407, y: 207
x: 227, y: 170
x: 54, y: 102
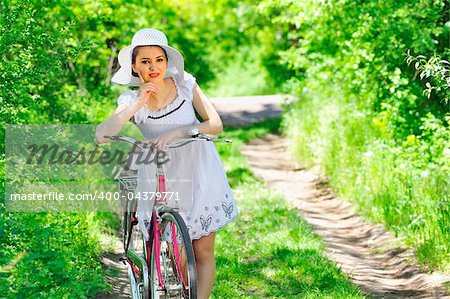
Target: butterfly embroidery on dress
x: 206, y: 222
x: 228, y: 209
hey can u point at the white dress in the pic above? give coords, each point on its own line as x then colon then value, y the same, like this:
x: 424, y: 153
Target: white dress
x: 194, y: 174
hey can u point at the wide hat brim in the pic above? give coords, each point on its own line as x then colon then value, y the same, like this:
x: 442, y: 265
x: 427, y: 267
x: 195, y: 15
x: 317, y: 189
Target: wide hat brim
x: 124, y: 77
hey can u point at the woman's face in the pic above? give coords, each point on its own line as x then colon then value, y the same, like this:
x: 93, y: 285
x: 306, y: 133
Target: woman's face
x: 150, y: 64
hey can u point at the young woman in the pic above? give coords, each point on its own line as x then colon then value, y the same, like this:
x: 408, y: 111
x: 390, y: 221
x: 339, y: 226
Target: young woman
x: 163, y: 108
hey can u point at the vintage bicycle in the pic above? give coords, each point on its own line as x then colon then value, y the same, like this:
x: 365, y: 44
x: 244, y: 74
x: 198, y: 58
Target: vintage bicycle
x: 161, y: 263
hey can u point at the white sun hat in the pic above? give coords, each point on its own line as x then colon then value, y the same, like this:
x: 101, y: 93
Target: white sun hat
x: 147, y: 37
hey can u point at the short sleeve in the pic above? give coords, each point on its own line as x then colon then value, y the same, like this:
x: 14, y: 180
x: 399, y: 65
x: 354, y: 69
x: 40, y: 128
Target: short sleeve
x: 186, y: 84
x: 190, y: 81
x: 127, y: 98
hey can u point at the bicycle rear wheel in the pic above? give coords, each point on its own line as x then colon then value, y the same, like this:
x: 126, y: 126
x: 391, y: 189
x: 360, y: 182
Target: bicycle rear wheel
x: 175, y: 258
x: 127, y: 185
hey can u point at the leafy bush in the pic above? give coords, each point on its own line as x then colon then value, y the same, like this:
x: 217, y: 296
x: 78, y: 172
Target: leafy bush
x: 436, y: 70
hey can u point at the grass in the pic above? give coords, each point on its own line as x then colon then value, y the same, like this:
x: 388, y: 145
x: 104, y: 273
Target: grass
x: 49, y: 255
x: 269, y: 251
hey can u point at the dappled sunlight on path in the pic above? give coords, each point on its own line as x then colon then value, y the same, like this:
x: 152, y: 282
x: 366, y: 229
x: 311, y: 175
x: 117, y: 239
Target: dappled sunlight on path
x: 240, y: 111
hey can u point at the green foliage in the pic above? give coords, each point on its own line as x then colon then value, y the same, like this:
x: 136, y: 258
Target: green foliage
x: 38, y: 47
x: 237, y: 42
x: 435, y: 70
x: 50, y: 255
x: 361, y: 113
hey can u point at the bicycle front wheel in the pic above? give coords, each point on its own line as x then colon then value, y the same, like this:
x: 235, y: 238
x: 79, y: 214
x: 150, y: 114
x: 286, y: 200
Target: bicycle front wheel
x: 173, y: 271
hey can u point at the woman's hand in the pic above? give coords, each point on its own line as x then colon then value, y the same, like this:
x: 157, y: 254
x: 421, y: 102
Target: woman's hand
x: 146, y: 90
x: 162, y: 141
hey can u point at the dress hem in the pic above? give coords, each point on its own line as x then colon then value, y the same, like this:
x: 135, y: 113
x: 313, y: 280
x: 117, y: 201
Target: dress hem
x: 214, y: 231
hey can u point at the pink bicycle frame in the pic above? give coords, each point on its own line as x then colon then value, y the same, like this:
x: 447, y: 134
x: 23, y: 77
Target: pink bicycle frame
x: 161, y: 189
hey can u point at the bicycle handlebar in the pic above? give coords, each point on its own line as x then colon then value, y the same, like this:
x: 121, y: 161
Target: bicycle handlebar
x: 174, y: 144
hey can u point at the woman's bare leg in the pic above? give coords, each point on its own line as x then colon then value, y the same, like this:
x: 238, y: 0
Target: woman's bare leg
x: 206, y: 265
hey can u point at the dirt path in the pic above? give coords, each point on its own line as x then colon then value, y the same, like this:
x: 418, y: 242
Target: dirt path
x: 242, y: 111
x: 364, y: 251
x: 118, y: 277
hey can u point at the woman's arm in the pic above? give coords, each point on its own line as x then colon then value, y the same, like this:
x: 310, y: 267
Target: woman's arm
x: 113, y: 124
x: 212, y: 124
